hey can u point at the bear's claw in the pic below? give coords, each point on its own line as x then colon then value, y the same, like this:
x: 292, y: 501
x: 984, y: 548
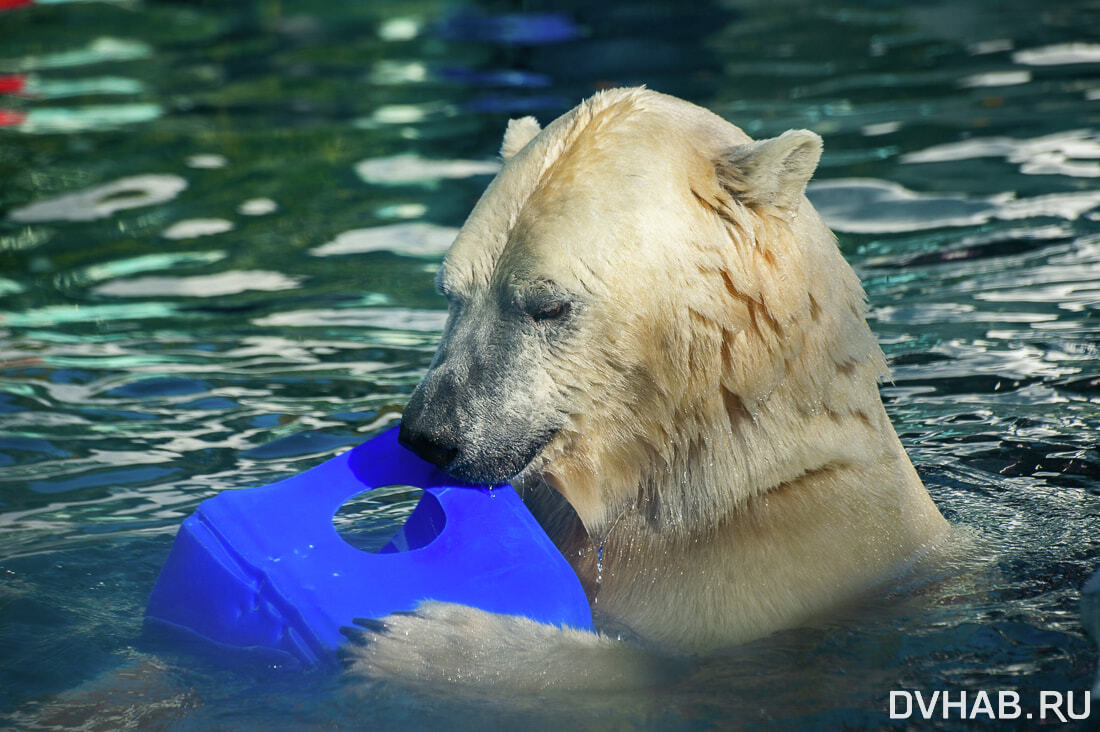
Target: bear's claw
x: 356, y: 636
x: 371, y: 625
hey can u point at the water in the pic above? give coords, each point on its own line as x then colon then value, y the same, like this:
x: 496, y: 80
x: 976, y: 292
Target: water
x: 218, y: 230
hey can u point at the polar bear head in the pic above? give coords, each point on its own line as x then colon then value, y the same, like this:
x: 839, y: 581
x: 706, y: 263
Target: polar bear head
x: 644, y: 307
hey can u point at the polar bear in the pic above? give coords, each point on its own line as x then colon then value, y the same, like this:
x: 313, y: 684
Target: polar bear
x: 654, y: 336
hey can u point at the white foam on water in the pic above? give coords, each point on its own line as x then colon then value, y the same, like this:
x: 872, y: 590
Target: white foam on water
x: 416, y: 239
x: 403, y: 319
x: 192, y: 228
x: 213, y: 285
x: 207, y: 161
x: 1074, y: 153
x: 1059, y: 54
x: 101, y: 50
x: 871, y: 206
x: 53, y: 120
x: 103, y: 200
x: 996, y: 78
x: 408, y: 168
x: 257, y: 207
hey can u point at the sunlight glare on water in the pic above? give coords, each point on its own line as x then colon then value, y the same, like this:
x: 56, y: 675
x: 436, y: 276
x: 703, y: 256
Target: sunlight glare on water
x: 219, y: 228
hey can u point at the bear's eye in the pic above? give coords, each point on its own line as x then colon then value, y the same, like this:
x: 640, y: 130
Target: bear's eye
x: 548, y: 311
x: 544, y: 306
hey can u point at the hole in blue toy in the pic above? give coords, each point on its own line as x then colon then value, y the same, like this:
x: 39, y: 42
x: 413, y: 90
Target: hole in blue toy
x: 392, y: 518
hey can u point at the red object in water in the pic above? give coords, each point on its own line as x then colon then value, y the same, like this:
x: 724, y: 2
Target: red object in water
x: 13, y: 4
x: 12, y: 83
x: 12, y: 117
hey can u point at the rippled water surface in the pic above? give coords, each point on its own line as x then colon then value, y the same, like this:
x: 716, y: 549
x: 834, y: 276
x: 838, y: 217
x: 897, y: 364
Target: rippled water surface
x: 218, y: 231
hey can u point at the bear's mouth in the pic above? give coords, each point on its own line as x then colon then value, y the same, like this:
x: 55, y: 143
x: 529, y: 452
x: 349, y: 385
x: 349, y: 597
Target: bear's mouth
x: 503, y: 466
x: 536, y: 468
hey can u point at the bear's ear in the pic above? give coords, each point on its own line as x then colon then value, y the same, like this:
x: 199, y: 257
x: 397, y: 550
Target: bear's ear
x: 773, y: 172
x: 519, y: 133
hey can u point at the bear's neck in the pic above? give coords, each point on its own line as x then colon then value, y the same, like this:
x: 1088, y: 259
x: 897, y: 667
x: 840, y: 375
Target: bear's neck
x: 785, y: 552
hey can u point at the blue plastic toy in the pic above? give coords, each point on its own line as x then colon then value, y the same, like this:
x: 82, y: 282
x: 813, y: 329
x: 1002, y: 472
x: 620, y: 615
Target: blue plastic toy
x: 262, y: 572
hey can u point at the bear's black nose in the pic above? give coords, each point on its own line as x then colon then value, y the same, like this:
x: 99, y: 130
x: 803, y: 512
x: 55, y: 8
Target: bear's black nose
x: 434, y: 450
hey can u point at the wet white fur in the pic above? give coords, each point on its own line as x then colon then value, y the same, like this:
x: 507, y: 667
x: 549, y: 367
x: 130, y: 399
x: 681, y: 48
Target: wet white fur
x: 726, y: 444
